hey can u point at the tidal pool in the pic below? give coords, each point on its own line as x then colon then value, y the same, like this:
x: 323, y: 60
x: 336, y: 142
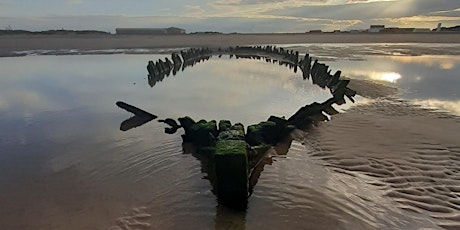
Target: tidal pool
x: 66, y: 164
x: 425, y: 74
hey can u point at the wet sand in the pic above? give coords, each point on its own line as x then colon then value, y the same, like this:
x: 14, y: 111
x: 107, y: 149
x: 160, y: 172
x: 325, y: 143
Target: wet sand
x: 410, y: 154
x: 10, y: 43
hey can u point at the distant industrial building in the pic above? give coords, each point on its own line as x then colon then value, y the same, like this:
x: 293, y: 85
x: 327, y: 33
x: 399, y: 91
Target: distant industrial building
x: 397, y: 30
x: 150, y: 31
x: 383, y: 29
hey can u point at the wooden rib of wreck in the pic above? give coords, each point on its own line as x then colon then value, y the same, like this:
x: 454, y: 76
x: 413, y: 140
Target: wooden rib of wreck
x: 234, y: 153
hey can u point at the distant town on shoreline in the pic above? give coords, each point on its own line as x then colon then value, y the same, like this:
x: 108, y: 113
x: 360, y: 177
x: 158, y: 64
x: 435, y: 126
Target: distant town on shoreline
x: 178, y: 31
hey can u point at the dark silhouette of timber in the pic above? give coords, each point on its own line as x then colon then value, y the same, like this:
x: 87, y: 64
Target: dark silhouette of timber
x: 232, y: 157
x: 140, y: 116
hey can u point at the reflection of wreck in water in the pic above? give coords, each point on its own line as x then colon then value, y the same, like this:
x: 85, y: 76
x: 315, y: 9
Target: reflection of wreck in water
x: 188, y: 58
x: 232, y: 158
x: 320, y: 73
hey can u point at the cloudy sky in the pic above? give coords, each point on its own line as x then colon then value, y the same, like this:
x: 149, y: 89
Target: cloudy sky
x: 227, y: 15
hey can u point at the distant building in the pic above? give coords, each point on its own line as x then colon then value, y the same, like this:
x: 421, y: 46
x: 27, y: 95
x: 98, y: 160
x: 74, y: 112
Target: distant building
x: 175, y: 30
x: 150, y: 31
x: 315, y: 31
x: 397, y: 30
x: 376, y: 28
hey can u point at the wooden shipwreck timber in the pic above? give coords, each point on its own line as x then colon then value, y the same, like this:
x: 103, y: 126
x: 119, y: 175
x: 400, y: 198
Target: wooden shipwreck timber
x: 233, y: 154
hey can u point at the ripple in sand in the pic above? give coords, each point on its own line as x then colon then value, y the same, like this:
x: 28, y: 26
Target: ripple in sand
x: 136, y: 219
x: 412, y: 153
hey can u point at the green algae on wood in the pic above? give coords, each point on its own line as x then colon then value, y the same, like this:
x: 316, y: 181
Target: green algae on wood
x: 202, y: 133
x: 231, y: 167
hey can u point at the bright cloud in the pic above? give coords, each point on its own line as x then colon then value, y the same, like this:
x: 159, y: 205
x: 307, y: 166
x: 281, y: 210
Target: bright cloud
x: 231, y: 15
x: 194, y: 11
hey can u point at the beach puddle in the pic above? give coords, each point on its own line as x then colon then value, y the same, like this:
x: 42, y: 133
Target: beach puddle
x: 429, y: 80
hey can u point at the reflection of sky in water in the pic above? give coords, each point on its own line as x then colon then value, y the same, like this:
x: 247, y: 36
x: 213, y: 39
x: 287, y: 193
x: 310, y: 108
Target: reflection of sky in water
x: 60, y: 130
x: 240, y: 90
x: 58, y: 114
x: 56, y: 98
x: 429, y: 80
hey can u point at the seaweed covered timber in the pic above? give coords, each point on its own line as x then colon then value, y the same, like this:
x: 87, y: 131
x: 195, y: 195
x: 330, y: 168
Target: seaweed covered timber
x: 235, y: 157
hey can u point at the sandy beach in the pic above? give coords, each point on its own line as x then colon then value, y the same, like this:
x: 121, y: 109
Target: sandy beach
x: 10, y: 43
x: 384, y: 163
x: 410, y: 154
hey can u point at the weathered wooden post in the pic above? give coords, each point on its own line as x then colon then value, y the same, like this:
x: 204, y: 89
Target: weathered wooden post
x: 231, y: 162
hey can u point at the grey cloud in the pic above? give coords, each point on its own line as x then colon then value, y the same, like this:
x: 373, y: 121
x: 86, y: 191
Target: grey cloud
x: 250, y: 2
x: 191, y: 24
x: 446, y: 13
x: 356, y: 1
x: 372, y: 10
x: 255, y: 2
x: 102, y: 22
x: 109, y: 23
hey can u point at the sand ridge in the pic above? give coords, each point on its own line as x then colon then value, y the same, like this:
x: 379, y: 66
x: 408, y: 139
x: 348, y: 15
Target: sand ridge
x: 411, y: 153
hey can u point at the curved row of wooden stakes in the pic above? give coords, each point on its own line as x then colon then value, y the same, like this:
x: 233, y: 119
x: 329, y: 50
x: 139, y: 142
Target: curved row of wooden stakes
x: 232, y: 157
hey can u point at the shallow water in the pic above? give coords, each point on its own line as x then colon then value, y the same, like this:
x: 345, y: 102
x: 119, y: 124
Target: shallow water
x: 66, y: 164
x: 425, y: 74
x: 431, y: 80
